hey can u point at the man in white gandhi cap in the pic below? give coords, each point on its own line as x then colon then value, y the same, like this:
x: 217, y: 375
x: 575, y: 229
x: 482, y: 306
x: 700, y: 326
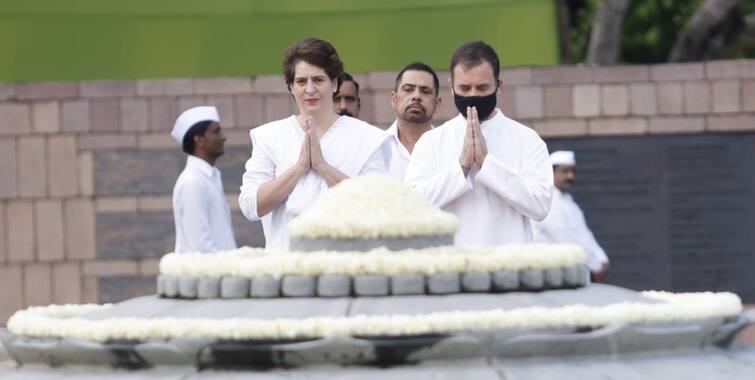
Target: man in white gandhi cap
x: 566, y: 223
x: 200, y: 209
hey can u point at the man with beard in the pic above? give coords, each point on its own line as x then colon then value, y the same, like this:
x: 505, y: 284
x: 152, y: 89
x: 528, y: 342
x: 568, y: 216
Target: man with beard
x: 492, y: 172
x: 415, y: 100
x: 200, y: 209
x: 346, y: 101
x: 566, y: 223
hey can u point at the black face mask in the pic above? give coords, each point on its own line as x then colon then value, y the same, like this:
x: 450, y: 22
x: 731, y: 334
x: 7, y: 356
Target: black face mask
x: 484, y: 104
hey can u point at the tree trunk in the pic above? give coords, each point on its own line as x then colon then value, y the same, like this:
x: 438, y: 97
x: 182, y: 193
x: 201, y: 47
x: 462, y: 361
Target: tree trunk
x: 705, y: 30
x: 605, y: 37
x: 564, y: 32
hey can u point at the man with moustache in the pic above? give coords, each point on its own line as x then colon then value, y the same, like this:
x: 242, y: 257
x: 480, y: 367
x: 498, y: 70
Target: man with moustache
x: 492, y: 172
x: 566, y: 222
x: 415, y: 100
x: 346, y: 101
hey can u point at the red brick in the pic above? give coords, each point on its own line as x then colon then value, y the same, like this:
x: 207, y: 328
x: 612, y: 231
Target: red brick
x: 586, y: 100
x: 618, y: 126
x: 562, y: 75
x: 86, y: 173
x: 676, y: 71
x: 383, y: 111
x: 104, y: 115
x: 110, y: 267
x: 115, y: 204
x: 178, y: 86
x: 90, y: 291
x: 670, y: 98
x: 621, y: 73
x: 730, y: 69
x: 7, y: 91
x: 733, y: 123
x: 157, y: 140
x: 107, y: 88
x: 62, y: 166
x: 150, y: 266
x: 19, y: 225
x: 516, y: 76
x: 726, y: 96
x: 271, y: 84
x: 49, y: 230
x: 506, y: 102
x: 186, y: 102
x: 381, y: 80
x: 696, y: 97
x: 672, y: 124
x: 748, y: 96
x: 248, y: 110
x: 237, y: 137
x: 31, y: 167
x: 37, y: 285
x: 46, y: 117
x: 224, y: 104
x: 15, y: 118
x: 107, y: 141
x: 157, y: 203
x: 222, y: 85
x: 79, y: 229
x: 558, y: 101
x: 643, y: 99
x: 561, y: 127
x: 615, y: 99
x: 133, y: 113
x: 149, y: 87
x: 366, y: 110
x: 280, y: 106
x: 163, y: 113
x: 8, y: 168
x: 3, y: 238
x: 529, y: 101
x: 11, y: 298
x: 76, y: 116
x: 46, y: 90
x: 66, y: 283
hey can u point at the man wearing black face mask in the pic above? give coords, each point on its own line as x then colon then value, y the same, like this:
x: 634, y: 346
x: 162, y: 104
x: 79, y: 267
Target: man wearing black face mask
x: 492, y: 172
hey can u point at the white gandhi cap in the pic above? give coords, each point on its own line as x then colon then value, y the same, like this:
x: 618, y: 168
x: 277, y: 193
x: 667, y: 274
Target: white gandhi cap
x: 563, y: 157
x: 191, y: 117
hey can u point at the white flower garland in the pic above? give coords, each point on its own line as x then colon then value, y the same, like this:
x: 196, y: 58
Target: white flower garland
x: 66, y: 321
x: 372, y: 207
x: 251, y: 262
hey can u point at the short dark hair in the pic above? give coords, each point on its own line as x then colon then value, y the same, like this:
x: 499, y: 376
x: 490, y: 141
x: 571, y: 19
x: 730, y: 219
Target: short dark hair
x: 197, y: 129
x: 474, y: 53
x: 316, y: 52
x: 418, y: 66
x: 348, y: 78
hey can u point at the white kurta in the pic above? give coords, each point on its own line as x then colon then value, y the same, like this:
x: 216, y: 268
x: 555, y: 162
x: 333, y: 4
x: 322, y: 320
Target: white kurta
x: 200, y: 209
x: 350, y: 145
x: 494, y: 203
x: 399, y: 154
x: 566, y: 224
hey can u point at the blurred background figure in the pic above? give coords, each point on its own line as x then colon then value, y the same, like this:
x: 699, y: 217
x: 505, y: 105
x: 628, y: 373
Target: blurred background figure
x: 346, y: 101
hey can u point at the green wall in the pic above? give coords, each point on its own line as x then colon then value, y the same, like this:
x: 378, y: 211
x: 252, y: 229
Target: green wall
x: 107, y: 39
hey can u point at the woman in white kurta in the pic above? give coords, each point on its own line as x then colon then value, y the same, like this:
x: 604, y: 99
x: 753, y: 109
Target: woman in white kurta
x: 296, y: 158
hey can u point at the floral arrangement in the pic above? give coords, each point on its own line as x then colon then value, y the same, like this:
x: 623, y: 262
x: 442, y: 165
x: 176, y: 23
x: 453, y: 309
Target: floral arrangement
x: 372, y: 207
x: 251, y: 262
x: 69, y: 320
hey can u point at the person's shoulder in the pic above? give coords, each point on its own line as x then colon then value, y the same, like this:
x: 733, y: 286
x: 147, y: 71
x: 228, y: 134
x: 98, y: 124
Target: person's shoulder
x: 449, y: 127
x: 270, y: 128
x: 519, y: 128
x: 354, y: 124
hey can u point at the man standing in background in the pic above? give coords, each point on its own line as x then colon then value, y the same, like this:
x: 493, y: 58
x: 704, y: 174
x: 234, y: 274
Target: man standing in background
x: 346, y: 101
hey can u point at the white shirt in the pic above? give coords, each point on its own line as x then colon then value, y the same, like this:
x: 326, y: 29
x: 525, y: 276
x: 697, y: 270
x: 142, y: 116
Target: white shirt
x: 350, y: 145
x: 399, y: 154
x: 494, y: 203
x: 200, y: 209
x: 566, y: 224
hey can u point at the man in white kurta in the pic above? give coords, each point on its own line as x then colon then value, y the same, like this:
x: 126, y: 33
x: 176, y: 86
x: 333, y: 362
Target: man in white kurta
x: 200, y: 210
x: 350, y: 145
x: 566, y: 222
x: 496, y: 202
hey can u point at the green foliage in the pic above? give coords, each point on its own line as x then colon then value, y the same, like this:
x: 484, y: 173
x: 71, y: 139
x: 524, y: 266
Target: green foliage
x: 651, y: 28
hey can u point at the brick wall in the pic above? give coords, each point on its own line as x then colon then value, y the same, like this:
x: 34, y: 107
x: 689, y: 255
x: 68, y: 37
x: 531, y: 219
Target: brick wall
x: 87, y: 168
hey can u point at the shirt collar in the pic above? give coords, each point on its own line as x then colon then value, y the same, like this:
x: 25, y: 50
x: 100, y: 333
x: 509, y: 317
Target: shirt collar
x: 201, y: 165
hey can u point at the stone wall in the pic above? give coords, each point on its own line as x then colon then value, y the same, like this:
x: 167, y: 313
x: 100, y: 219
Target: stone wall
x: 87, y: 168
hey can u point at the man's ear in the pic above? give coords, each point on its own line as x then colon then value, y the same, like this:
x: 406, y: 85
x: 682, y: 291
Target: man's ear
x: 438, y: 103
x: 199, y: 141
x: 393, y: 99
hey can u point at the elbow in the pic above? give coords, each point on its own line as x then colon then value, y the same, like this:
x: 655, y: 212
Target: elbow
x: 248, y: 206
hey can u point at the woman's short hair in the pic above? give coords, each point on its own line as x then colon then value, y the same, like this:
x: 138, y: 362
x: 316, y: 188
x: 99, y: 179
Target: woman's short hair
x: 315, y: 52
